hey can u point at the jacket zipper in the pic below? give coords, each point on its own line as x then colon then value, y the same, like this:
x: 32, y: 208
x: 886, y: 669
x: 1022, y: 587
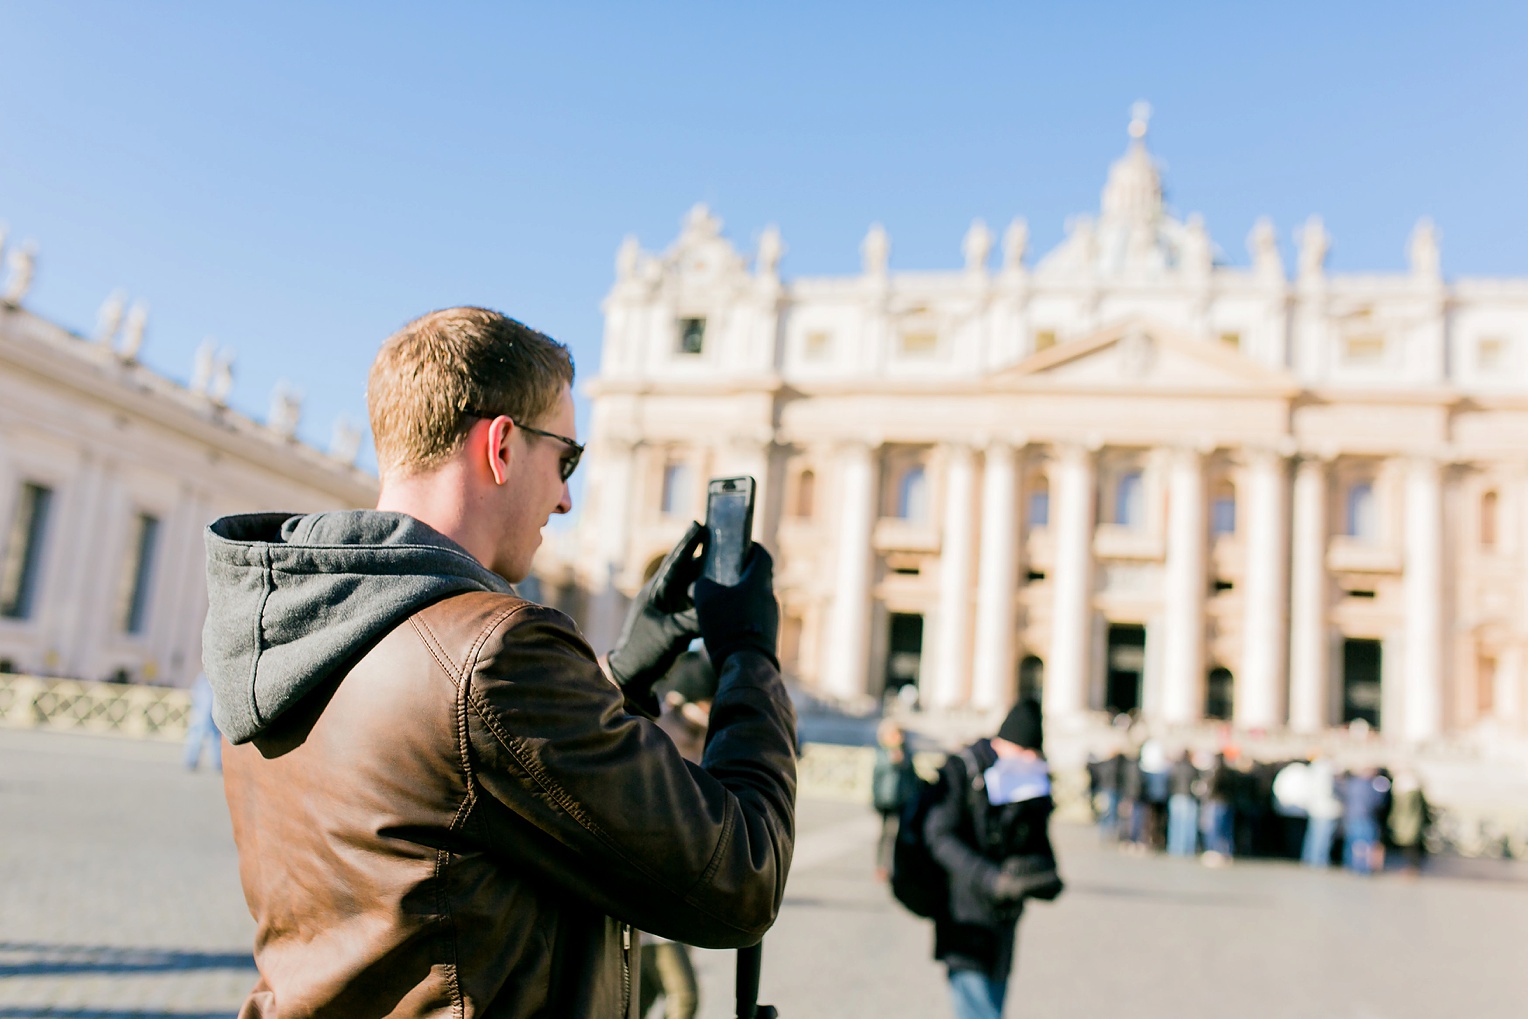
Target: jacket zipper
x: 625, y: 970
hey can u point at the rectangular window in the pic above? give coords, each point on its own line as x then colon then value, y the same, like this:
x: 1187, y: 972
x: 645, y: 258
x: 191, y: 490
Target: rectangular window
x: 139, y: 575
x: 20, y: 571
x: 676, y: 489
x: 920, y: 344
x: 692, y: 335
x: 819, y: 346
x: 1045, y: 339
x: 1232, y: 340
x: 1491, y: 353
x: 1365, y: 349
x: 1039, y: 509
x: 1223, y: 515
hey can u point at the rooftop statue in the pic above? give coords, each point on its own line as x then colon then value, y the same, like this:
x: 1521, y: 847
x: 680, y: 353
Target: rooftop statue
x: 203, y: 366
x: 132, y: 332
x: 344, y: 441
x: 1426, y: 260
x: 23, y: 263
x: 1196, y: 255
x: 1314, y: 243
x: 109, y: 318
x: 1263, y: 245
x: 222, y: 379
x: 771, y: 250
x: 1015, y: 244
x: 875, y: 251
x: 977, y: 247
x: 286, y: 410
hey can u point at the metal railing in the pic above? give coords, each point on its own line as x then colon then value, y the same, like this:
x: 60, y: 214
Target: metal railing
x: 110, y: 709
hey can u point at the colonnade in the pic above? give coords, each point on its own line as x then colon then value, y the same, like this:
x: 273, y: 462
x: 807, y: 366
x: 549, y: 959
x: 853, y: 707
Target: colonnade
x: 1285, y: 672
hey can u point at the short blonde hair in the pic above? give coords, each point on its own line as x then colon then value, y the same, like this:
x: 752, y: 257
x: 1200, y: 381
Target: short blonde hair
x: 432, y: 372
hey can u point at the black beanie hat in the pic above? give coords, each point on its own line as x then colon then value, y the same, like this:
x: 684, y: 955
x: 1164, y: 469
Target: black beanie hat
x: 1022, y: 727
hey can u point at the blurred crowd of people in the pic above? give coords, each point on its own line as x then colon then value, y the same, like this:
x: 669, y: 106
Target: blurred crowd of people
x: 1220, y: 806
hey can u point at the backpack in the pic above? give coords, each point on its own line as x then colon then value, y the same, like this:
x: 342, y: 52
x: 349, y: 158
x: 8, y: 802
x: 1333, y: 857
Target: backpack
x: 917, y: 880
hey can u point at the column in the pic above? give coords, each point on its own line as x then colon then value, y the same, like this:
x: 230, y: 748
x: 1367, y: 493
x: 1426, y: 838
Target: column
x: 848, y: 636
x: 1309, y: 654
x: 952, y: 645
x: 1066, y: 673
x: 1260, y: 687
x: 993, y: 680
x: 614, y: 501
x: 1183, y: 628
x: 1423, y: 655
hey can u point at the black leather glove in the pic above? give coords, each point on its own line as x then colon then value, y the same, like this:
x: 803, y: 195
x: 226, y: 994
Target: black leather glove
x: 660, y: 624
x: 742, y: 617
x: 1024, y: 877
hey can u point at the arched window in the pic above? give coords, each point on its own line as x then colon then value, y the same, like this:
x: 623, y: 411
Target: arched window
x: 1219, y: 694
x: 1130, y: 501
x: 1031, y: 678
x: 912, y: 495
x: 1488, y: 509
x: 806, y: 494
x: 1223, y: 510
x: 1362, y: 517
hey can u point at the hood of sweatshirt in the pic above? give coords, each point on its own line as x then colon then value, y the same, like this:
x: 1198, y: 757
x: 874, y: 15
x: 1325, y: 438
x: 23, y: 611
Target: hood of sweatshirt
x: 292, y: 598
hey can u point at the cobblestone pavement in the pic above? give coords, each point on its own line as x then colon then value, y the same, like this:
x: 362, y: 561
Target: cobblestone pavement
x: 119, y: 897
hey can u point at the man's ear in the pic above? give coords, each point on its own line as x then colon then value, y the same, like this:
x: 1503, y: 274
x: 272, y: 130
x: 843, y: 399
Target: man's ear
x: 500, y: 452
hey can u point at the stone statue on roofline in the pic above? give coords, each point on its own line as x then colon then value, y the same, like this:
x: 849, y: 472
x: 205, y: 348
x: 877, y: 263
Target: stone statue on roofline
x: 109, y: 318
x: 222, y: 378
x: 286, y: 410
x: 345, y: 441
x: 628, y: 258
x: 1197, y: 257
x: 875, y: 251
x: 1015, y: 244
x: 771, y: 250
x: 132, y: 332
x: 203, y: 366
x: 1263, y: 245
x: 1314, y: 244
x: 23, y: 264
x: 1426, y: 260
x: 977, y: 247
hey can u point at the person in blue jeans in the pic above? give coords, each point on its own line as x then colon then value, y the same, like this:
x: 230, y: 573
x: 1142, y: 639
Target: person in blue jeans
x: 1182, y: 808
x: 1362, y: 795
x: 203, y: 731
x: 1325, y: 810
x: 990, y: 833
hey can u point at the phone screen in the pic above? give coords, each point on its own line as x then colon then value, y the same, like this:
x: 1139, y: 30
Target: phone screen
x: 729, y: 521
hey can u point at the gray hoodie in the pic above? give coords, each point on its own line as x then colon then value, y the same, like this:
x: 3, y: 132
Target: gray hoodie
x: 293, y: 598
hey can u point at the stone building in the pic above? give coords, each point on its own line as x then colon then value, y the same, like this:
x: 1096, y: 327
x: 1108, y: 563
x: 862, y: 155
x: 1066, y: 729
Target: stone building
x: 1124, y: 475
x: 108, y: 474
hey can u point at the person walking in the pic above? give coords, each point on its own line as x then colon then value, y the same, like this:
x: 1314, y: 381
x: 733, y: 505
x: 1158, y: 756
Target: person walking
x: 1106, y: 776
x: 1216, y: 820
x: 893, y: 782
x: 990, y: 833
x: 1132, y: 795
x: 202, y: 732
x: 1182, y: 808
x: 1324, y: 809
x: 1362, y: 794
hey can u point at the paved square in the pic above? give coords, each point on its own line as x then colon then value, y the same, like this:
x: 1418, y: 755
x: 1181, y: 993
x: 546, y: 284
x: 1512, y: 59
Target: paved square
x: 119, y: 897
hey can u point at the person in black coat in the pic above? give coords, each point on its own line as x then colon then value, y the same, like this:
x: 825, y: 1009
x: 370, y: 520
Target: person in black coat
x: 989, y: 831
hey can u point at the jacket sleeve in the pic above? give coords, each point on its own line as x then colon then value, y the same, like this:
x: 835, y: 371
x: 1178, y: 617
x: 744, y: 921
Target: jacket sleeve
x: 941, y: 830
x: 599, y: 803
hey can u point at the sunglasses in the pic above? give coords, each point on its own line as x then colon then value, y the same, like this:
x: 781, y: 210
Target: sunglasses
x: 567, y: 465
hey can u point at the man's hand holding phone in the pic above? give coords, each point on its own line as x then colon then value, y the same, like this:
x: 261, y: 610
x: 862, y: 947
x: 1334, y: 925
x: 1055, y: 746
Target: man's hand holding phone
x: 743, y: 616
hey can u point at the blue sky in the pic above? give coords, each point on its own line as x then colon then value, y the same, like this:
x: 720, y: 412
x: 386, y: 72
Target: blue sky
x: 297, y: 180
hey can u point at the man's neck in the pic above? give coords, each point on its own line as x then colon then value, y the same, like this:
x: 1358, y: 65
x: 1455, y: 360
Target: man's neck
x: 440, y: 499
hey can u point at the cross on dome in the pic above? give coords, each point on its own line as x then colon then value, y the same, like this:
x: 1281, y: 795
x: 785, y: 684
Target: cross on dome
x: 1140, y: 119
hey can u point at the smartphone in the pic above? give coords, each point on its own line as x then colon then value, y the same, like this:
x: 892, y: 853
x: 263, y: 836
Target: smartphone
x: 729, y: 528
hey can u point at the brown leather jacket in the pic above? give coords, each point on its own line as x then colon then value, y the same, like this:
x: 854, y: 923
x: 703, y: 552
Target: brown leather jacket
x: 468, y: 821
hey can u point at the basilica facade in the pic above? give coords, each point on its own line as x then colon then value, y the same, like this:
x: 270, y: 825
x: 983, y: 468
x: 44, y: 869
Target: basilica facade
x: 1121, y: 475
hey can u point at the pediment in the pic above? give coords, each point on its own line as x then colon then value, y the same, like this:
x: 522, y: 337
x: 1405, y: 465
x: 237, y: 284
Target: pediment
x: 1143, y: 356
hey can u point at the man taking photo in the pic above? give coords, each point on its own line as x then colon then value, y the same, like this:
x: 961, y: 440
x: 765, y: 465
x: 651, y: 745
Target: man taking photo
x: 442, y: 805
